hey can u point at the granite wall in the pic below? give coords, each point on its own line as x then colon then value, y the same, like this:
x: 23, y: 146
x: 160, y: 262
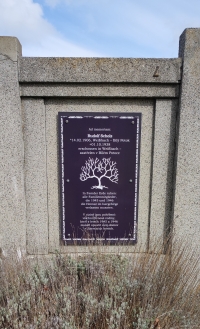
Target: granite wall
x: 34, y: 90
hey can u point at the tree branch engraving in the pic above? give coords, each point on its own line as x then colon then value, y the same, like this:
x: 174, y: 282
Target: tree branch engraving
x: 94, y: 168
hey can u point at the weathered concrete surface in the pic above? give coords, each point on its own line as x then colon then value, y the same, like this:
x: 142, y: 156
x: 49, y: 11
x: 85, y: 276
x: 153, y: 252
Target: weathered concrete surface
x: 100, y: 90
x: 11, y: 48
x: 99, y: 70
x: 12, y: 204
x: 35, y: 175
x: 187, y: 197
x: 163, y: 170
x: 98, y: 84
x: 52, y: 109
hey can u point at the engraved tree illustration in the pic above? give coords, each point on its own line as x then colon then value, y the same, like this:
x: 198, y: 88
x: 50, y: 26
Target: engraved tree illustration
x: 94, y: 168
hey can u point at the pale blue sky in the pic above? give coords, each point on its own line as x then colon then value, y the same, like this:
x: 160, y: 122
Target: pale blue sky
x: 98, y: 28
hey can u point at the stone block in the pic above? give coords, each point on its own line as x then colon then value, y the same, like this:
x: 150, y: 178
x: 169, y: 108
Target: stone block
x: 162, y: 171
x: 10, y: 47
x: 12, y: 195
x: 187, y: 192
x: 104, y: 90
x: 35, y: 175
x: 95, y: 70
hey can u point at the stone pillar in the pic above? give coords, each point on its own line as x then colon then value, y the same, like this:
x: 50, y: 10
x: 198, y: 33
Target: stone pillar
x: 12, y: 194
x: 187, y: 190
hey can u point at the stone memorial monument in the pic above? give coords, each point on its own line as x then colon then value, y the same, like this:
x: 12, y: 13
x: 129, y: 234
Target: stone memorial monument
x: 99, y: 148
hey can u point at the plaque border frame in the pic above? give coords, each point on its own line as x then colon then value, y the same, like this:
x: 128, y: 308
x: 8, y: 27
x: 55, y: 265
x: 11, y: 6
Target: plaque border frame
x: 84, y: 241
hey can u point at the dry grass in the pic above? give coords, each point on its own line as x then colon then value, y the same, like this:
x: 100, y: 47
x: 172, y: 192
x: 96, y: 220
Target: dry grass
x: 99, y: 291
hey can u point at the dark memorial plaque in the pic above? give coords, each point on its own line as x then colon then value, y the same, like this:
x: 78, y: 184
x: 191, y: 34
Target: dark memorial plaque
x: 99, y: 165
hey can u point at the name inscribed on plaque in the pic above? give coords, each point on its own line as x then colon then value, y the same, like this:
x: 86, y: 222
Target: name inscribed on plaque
x: 99, y: 176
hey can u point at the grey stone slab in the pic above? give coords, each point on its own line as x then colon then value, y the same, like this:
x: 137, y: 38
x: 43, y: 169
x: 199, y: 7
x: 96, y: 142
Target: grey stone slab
x: 10, y: 48
x: 100, y: 90
x: 163, y: 170
x: 35, y: 175
x: 52, y: 108
x: 187, y: 197
x: 12, y: 196
x: 99, y: 70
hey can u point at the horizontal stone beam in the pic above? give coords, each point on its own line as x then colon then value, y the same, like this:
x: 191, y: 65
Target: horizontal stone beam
x: 100, y: 90
x: 100, y: 70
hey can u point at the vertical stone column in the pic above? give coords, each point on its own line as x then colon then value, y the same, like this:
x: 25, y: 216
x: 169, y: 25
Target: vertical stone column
x: 33, y: 113
x: 12, y: 195
x: 187, y: 191
x: 163, y: 163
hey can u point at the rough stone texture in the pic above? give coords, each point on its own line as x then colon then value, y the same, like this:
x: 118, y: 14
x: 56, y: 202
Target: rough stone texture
x: 52, y: 108
x: 98, y: 84
x: 163, y: 167
x: 12, y: 205
x: 35, y: 175
x: 100, y: 90
x: 10, y: 48
x: 187, y: 197
x: 99, y: 70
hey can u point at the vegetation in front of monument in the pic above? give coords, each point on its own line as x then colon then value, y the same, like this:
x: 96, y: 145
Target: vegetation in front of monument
x: 102, y: 291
